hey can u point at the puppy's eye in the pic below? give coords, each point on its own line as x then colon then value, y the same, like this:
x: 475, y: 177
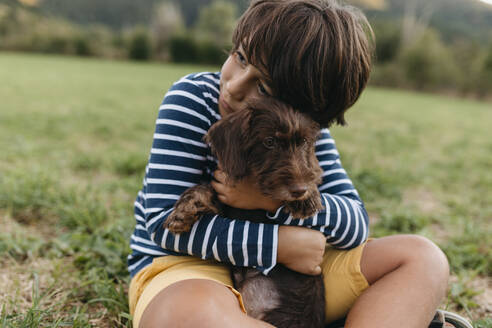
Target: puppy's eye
x: 269, y: 142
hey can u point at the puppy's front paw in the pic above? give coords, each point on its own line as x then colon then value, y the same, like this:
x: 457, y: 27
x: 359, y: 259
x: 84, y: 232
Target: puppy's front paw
x: 179, y: 221
x: 194, y: 202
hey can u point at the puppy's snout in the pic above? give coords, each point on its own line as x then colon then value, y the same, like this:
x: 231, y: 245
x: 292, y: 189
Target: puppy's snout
x: 297, y: 191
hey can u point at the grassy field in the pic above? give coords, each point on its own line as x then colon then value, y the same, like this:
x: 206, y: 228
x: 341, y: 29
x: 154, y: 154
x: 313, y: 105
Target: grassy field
x: 74, y: 140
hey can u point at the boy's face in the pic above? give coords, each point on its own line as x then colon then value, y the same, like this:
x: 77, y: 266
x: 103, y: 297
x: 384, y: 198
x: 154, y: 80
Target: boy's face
x: 240, y: 82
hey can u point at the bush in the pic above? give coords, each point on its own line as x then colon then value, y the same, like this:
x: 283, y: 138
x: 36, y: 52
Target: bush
x: 468, y: 56
x: 428, y: 64
x: 484, y: 81
x: 58, y: 45
x: 183, y: 49
x: 389, y: 74
x: 82, y: 46
x: 216, y: 22
x: 140, y: 47
x: 387, y: 40
x: 210, y: 53
x: 166, y: 21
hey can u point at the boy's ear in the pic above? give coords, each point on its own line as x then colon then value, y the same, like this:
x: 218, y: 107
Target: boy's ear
x: 228, y: 138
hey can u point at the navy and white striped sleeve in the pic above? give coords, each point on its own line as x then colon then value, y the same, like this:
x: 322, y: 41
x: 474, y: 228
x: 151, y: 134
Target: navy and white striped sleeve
x: 177, y: 160
x: 344, y: 221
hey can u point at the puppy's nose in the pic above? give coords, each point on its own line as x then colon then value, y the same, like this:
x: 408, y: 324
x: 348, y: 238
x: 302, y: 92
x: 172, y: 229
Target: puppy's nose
x: 297, y: 191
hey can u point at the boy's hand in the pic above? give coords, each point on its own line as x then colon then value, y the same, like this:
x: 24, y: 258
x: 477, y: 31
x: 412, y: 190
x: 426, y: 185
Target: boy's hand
x: 301, y: 249
x: 243, y: 194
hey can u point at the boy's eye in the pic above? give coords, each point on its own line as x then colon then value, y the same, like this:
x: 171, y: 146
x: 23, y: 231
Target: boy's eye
x: 262, y: 90
x: 241, y: 57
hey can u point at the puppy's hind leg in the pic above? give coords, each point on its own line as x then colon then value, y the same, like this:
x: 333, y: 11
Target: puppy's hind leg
x: 193, y: 203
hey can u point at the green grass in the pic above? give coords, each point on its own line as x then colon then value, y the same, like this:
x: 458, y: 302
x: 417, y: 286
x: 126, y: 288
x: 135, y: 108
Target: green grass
x: 75, y: 136
x: 422, y: 163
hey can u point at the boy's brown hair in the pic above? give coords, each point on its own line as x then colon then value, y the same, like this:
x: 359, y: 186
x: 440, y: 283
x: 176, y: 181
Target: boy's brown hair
x: 316, y: 53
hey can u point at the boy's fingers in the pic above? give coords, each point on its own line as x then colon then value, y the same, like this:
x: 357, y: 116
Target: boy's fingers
x: 218, y: 186
x: 220, y: 176
x: 314, y: 272
x: 222, y: 198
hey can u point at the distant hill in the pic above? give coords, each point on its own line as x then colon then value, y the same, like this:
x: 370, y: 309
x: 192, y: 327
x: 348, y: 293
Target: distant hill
x: 121, y: 13
x: 470, y: 19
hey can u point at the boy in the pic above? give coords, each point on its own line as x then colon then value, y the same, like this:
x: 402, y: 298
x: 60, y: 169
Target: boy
x: 314, y: 55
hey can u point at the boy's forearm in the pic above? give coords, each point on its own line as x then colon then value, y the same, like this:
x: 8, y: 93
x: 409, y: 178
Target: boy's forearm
x: 343, y: 222
x: 237, y: 242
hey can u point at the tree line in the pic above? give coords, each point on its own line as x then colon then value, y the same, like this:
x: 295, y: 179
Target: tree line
x: 409, y: 53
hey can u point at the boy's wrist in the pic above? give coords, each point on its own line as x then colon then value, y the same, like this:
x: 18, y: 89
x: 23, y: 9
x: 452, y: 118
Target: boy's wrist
x: 280, y: 247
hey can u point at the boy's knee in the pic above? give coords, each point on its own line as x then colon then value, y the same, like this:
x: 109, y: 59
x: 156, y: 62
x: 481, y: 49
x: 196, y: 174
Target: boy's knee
x: 191, y: 303
x: 429, y: 252
x: 408, y: 252
x: 431, y: 259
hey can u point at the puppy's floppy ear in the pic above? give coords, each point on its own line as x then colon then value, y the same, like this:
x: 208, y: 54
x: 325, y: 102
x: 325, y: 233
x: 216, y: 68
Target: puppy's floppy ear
x: 228, y: 138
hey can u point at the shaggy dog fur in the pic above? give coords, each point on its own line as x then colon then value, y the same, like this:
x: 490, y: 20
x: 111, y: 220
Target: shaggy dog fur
x: 274, y: 144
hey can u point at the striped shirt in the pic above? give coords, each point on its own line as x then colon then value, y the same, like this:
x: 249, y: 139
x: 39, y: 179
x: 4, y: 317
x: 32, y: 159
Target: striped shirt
x: 180, y: 159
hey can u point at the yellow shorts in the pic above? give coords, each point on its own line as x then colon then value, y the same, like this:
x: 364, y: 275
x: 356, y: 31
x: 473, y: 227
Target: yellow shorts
x: 343, y: 279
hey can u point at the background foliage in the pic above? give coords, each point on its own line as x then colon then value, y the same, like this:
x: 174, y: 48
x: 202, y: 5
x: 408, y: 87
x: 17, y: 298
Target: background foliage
x: 439, y: 46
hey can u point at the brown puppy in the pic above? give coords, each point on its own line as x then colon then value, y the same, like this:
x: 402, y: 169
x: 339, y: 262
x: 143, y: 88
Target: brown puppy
x: 274, y: 144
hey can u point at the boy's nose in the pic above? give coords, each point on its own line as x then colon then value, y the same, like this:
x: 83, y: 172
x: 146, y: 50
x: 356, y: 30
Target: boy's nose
x: 237, y: 87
